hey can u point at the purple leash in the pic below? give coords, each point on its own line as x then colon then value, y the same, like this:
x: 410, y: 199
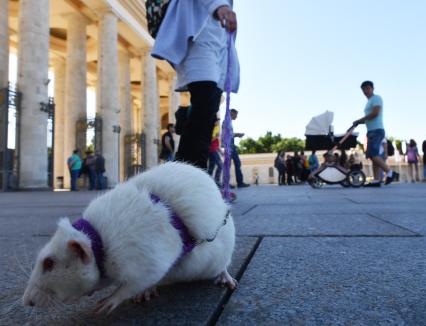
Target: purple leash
x: 227, y: 125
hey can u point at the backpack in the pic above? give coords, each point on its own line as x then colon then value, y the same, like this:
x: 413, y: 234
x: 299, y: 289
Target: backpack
x: 155, y: 12
x: 391, y: 149
x: 181, y: 116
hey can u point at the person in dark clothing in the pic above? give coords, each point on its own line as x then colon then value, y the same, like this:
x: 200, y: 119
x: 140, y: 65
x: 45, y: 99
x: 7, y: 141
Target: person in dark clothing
x: 343, y: 160
x: 89, y: 164
x: 168, y: 144
x: 289, y: 169
x: 279, y: 164
x: 100, y: 170
x: 297, y: 167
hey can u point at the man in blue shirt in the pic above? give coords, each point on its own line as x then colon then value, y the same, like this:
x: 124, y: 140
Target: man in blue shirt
x: 373, y: 119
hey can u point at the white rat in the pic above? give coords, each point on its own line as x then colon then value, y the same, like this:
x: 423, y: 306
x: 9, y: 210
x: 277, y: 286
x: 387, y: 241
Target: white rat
x: 136, y: 244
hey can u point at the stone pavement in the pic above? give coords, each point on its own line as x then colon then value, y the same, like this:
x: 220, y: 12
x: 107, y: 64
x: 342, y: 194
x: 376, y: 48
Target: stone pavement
x: 331, y: 256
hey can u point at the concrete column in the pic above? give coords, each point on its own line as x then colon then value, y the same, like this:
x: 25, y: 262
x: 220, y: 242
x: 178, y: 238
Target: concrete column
x: 151, y: 108
x: 33, y: 64
x: 4, y: 72
x: 76, y: 86
x: 60, y: 169
x: 108, y: 94
x: 125, y: 109
x: 4, y: 43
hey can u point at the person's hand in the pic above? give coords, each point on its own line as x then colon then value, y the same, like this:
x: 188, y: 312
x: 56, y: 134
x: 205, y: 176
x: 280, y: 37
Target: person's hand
x: 227, y: 18
x: 355, y: 123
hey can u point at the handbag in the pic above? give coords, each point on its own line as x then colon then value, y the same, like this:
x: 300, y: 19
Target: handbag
x: 155, y: 12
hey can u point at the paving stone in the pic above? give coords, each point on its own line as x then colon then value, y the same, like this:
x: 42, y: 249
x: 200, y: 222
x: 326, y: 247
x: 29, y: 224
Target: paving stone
x: 332, y: 281
x: 271, y: 220
x: 181, y: 304
x: 412, y: 221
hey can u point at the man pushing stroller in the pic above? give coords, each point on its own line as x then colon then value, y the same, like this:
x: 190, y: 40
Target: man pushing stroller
x: 373, y: 119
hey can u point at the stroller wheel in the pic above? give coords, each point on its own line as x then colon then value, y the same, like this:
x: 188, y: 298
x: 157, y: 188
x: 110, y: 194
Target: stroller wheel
x: 345, y: 183
x: 356, y: 178
x: 315, y: 183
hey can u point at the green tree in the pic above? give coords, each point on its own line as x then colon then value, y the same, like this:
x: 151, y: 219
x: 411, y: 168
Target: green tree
x: 289, y: 145
x: 270, y: 143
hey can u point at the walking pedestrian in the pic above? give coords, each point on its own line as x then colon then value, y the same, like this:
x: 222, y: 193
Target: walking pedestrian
x: 235, y: 156
x: 193, y: 38
x: 74, y: 167
x: 413, y: 161
x: 375, y: 133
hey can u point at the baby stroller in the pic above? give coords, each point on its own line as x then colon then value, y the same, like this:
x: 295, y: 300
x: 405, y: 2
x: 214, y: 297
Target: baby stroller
x: 319, y: 136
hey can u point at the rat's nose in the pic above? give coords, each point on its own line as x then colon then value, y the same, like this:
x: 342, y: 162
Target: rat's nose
x: 31, y: 303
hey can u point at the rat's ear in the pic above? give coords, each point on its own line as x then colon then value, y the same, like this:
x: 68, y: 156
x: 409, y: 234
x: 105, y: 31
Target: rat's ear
x: 81, y: 250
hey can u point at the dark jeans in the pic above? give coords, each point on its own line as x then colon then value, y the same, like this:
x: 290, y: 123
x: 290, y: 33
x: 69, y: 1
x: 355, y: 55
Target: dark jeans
x: 237, y: 164
x: 281, y: 177
x: 196, y: 137
x: 100, y: 180
x: 215, y: 161
x: 74, y: 177
x: 92, y: 179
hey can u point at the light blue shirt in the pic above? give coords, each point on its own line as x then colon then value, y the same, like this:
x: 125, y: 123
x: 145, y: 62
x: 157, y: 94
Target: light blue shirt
x: 195, y: 43
x: 377, y: 122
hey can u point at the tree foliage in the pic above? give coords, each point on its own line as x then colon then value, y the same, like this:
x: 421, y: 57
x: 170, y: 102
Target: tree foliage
x: 270, y: 143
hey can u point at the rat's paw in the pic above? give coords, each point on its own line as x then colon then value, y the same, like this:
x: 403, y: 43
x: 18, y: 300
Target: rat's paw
x: 107, y: 305
x: 224, y: 279
x: 146, y: 295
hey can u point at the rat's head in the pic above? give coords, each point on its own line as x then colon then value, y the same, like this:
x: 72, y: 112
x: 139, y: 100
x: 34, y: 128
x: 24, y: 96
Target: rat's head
x: 65, y: 269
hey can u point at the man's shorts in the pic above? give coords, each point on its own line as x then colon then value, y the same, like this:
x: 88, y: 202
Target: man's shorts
x: 374, y: 142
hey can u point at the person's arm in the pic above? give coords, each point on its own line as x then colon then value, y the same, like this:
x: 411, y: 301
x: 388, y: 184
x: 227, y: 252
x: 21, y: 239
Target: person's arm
x: 374, y: 113
x: 221, y: 10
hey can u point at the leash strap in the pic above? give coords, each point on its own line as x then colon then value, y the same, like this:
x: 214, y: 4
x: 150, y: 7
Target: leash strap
x: 227, y: 125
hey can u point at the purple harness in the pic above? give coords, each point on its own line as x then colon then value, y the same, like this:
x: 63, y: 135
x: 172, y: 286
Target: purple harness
x: 188, y: 242
x: 82, y: 225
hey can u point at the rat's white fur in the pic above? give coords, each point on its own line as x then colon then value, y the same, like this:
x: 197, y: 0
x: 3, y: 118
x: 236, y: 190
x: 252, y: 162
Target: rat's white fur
x: 141, y: 246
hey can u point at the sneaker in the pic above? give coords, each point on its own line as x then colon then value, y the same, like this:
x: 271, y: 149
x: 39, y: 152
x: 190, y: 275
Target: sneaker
x: 373, y: 185
x: 243, y: 185
x: 395, y: 176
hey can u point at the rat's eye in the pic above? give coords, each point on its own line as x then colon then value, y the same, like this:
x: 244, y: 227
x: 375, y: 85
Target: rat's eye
x: 48, y: 264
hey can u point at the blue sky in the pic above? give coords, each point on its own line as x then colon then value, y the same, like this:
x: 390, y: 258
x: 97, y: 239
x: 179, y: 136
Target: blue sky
x: 301, y: 57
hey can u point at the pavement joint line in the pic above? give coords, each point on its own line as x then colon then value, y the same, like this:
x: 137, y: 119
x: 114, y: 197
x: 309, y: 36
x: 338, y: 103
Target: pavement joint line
x: 248, y: 210
x: 415, y: 235
x: 352, y: 201
x: 221, y: 306
x: 393, y: 224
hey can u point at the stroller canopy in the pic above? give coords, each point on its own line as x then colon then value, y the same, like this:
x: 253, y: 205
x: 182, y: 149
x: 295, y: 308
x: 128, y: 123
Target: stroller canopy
x: 320, y: 124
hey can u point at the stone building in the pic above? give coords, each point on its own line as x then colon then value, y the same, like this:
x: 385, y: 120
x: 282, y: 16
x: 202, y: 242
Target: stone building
x: 99, y: 44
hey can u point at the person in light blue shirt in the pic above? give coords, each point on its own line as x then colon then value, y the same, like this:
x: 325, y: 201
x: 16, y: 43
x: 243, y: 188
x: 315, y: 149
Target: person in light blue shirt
x: 193, y: 38
x: 373, y: 119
